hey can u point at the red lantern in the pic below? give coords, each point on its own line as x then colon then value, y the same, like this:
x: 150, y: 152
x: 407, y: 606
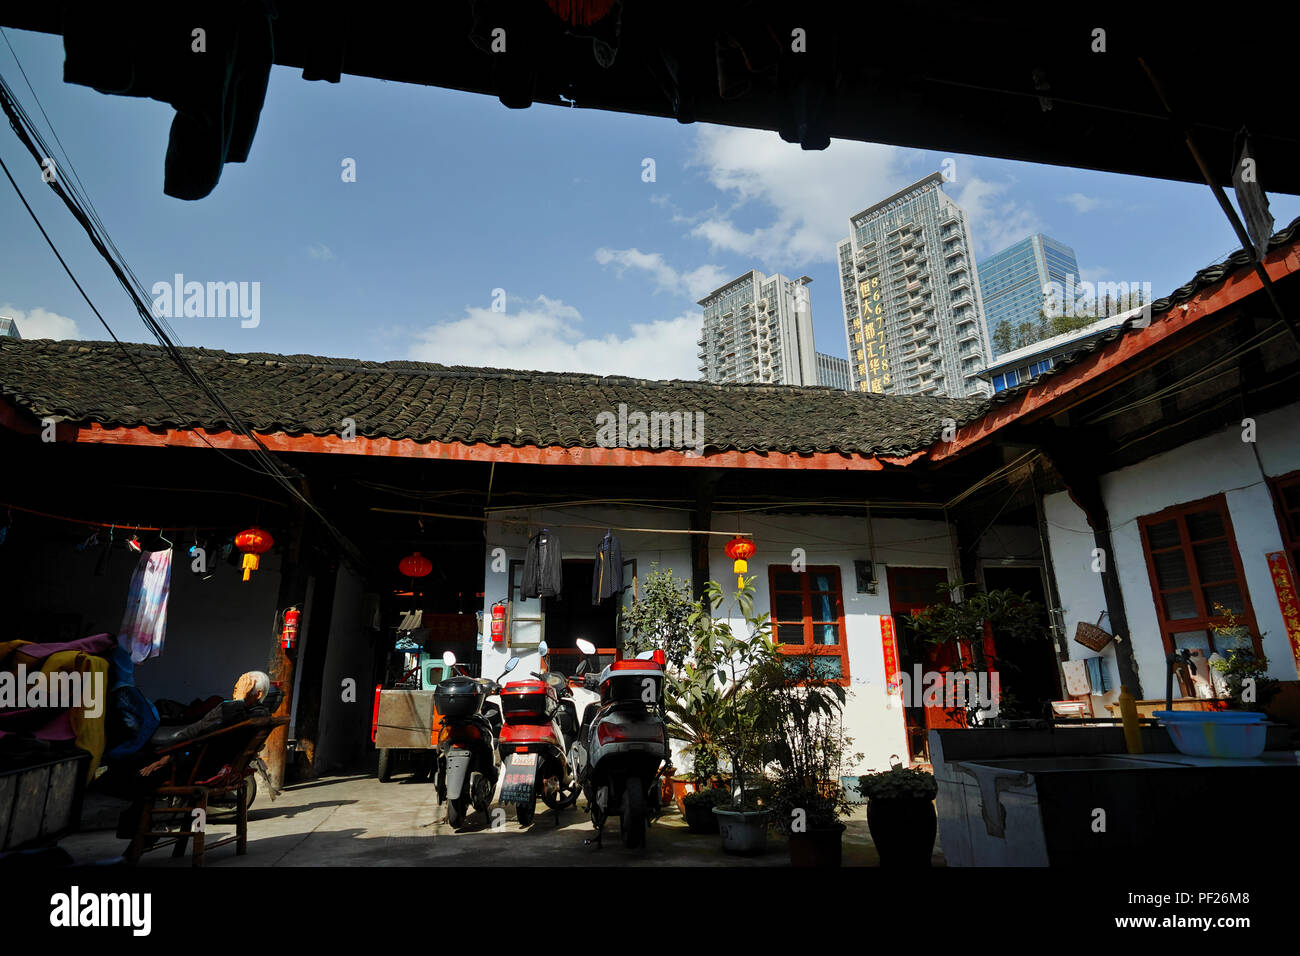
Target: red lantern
x: 415, y: 565
x: 740, y: 550
x: 254, y: 542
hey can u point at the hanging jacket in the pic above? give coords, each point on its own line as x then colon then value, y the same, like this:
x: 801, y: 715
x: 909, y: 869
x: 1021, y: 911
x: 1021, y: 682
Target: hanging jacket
x: 543, y: 574
x: 607, y: 577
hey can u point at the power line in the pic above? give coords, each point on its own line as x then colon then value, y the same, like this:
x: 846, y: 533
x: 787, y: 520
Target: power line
x: 275, y: 469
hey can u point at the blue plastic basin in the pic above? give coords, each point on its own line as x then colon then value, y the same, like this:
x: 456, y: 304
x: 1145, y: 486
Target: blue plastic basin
x: 1232, y: 734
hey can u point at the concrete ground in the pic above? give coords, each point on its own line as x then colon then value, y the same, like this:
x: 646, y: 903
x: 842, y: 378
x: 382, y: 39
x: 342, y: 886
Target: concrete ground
x: 358, y: 821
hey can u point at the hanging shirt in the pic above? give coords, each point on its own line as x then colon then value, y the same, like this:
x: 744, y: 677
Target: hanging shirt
x: 543, y: 573
x: 607, y: 577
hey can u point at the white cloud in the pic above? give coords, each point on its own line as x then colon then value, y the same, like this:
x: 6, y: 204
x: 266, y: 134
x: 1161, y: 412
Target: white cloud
x: 1081, y: 203
x: 996, y: 221
x: 42, y: 323
x: 321, y: 251
x: 546, y: 335
x: 810, y: 193
x: 696, y: 283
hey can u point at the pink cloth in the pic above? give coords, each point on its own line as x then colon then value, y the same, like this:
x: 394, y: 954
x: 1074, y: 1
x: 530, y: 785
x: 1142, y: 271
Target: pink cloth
x: 144, y: 625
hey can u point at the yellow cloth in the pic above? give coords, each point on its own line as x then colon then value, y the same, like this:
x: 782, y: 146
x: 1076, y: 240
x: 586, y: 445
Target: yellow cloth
x: 91, y: 731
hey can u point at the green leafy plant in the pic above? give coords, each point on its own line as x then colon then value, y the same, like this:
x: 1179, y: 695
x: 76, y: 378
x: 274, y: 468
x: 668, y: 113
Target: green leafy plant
x: 1245, y: 672
x: 721, y: 697
x: 807, y: 748
x: 708, y: 798
x: 659, y: 619
x: 898, y: 782
x: 961, y: 625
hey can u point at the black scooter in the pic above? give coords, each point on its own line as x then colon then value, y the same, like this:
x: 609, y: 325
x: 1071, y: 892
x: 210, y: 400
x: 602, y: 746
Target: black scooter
x: 468, y: 763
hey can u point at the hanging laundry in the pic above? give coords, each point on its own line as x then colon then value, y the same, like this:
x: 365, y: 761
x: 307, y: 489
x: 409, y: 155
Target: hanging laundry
x: 210, y: 59
x: 144, y: 625
x: 543, y: 572
x: 607, y: 577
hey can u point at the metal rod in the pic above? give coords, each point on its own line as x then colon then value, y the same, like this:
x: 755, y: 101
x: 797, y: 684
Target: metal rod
x: 1242, y: 236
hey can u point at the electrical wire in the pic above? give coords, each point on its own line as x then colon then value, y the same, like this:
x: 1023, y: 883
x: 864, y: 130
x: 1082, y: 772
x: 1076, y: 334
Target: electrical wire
x: 275, y: 469
x: 114, y: 524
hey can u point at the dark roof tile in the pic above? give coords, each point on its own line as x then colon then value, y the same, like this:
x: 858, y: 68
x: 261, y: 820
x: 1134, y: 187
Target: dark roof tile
x: 99, y: 382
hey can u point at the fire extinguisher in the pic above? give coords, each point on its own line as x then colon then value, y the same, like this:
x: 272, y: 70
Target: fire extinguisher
x: 498, y: 622
x: 289, y: 633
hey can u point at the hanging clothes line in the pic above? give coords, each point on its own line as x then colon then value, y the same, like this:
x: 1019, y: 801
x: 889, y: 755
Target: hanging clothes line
x: 557, y: 524
x: 114, y: 524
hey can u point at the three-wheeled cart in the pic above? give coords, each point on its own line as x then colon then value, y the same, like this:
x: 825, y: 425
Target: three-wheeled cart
x: 404, y: 722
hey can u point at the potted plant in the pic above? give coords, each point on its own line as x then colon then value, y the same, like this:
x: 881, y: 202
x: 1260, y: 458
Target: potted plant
x: 698, y: 808
x: 1244, y: 672
x: 726, y: 686
x: 957, y: 631
x: 808, y: 750
x: 660, y: 618
x: 900, y: 813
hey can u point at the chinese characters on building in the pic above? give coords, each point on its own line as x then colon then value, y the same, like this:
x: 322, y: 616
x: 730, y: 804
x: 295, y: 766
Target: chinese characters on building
x: 869, y: 338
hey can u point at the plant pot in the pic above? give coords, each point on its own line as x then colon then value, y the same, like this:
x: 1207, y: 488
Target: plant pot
x: 743, y: 831
x: 700, y: 819
x: 903, y: 829
x: 820, y: 847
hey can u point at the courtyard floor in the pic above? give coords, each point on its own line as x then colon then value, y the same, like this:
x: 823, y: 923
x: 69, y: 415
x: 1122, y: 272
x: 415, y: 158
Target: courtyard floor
x: 358, y: 821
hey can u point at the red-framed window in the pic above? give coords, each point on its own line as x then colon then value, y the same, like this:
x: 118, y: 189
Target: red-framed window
x: 808, y: 617
x: 1193, y: 563
x: 1286, y: 498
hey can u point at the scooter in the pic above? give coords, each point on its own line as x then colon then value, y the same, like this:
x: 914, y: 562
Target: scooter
x: 541, y: 723
x: 622, y: 745
x: 468, y: 765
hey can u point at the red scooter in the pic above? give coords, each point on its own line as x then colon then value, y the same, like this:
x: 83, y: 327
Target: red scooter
x: 540, y: 724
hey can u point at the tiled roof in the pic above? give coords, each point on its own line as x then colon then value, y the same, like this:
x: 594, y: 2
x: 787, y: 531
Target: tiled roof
x: 97, y: 382
x: 1210, y: 275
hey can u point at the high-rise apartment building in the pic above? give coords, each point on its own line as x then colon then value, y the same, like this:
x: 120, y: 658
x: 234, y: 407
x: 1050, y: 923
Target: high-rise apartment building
x: 834, y: 372
x: 758, y: 328
x: 912, y: 310
x: 1012, y: 280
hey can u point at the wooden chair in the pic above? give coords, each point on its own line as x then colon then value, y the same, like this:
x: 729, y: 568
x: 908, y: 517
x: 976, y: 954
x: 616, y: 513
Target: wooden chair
x: 211, y: 765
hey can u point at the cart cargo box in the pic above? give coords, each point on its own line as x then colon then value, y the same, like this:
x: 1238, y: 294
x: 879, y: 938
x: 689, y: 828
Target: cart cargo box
x: 406, y: 719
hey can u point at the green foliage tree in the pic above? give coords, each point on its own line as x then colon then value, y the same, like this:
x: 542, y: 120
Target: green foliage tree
x: 660, y: 618
x: 1002, y: 337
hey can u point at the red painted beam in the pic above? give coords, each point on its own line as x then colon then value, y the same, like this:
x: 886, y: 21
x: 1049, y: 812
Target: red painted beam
x: 95, y: 433
x: 1119, y: 360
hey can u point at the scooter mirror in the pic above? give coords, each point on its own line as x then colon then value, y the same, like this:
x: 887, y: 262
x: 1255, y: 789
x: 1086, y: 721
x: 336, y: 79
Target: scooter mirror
x: 542, y: 649
x: 449, y: 658
x: 511, y: 664
x: 586, y: 646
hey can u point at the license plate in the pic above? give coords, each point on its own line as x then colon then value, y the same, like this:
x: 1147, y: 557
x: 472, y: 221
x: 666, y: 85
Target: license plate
x: 517, y: 784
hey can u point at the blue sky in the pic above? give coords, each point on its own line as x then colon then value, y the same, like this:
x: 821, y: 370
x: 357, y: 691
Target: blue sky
x: 456, y: 196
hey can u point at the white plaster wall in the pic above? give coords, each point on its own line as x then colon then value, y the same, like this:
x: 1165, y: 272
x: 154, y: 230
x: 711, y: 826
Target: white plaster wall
x: 1219, y: 463
x: 1070, y: 539
x: 872, y: 718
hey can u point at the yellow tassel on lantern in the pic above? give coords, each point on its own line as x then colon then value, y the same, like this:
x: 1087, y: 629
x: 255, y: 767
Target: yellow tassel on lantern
x: 250, y: 565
